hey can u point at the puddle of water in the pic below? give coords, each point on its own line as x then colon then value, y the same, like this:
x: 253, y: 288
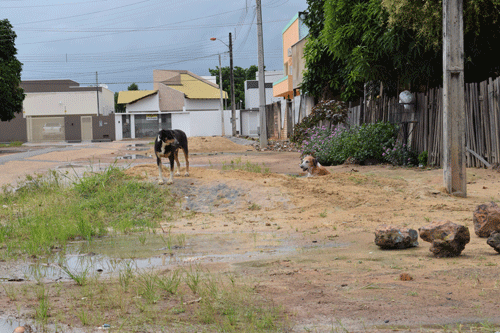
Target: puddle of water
x: 8, y: 326
x: 138, y: 145
x: 110, y: 256
x: 132, y: 157
x: 138, y: 149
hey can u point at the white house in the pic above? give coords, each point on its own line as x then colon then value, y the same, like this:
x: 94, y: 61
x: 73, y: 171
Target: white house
x: 180, y: 100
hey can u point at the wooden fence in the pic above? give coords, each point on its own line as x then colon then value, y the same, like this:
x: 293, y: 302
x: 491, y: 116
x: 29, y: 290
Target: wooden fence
x: 425, y: 121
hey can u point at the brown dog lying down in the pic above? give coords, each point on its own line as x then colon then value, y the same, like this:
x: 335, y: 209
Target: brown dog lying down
x: 312, y: 166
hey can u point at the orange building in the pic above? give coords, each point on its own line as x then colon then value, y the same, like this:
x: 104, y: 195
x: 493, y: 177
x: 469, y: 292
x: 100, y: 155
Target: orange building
x: 294, y: 35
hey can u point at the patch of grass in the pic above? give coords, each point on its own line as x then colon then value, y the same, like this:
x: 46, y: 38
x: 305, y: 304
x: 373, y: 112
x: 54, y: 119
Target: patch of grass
x: 155, y: 300
x: 80, y: 277
x: 11, y: 144
x: 42, y: 309
x: 254, y: 206
x: 237, y: 164
x: 48, y: 212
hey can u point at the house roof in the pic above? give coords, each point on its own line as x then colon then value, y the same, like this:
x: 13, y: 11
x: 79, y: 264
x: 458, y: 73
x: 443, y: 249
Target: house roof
x: 195, y: 87
x: 42, y: 86
x: 131, y: 96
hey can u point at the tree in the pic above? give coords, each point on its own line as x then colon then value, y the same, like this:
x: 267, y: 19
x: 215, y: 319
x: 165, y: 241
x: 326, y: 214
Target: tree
x: 240, y: 76
x: 321, y: 77
x: 120, y: 108
x: 481, y: 33
x: 11, y: 94
x: 394, y: 42
x: 133, y: 86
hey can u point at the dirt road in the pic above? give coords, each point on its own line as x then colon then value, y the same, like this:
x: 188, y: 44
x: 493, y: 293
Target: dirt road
x: 311, y: 244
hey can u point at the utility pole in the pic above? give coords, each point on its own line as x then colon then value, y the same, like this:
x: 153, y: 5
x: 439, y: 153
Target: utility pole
x: 97, y: 91
x: 262, y: 83
x: 454, y: 171
x: 233, y: 110
x: 221, y: 102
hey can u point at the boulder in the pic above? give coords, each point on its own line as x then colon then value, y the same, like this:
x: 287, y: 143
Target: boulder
x: 448, y: 239
x: 494, y: 241
x: 486, y: 219
x: 390, y: 237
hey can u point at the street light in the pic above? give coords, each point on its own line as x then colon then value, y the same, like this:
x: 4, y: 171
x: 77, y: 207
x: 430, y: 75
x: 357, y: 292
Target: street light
x: 223, y: 133
x: 233, y: 110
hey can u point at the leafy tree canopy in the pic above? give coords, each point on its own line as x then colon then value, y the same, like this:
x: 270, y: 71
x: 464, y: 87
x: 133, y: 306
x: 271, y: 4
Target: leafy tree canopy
x: 240, y: 76
x: 133, y: 86
x: 11, y: 94
x: 394, y: 42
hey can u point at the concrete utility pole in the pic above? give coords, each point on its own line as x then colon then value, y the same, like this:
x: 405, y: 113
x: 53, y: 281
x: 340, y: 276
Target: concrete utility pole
x: 233, y: 110
x: 97, y: 91
x: 454, y: 170
x: 262, y: 82
x: 221, y: 102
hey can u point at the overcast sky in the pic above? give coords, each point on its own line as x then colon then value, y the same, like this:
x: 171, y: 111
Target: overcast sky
x: 124, y: 40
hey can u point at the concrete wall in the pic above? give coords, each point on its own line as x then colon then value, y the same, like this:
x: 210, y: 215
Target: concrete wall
x: 106, y: 102
x: 299, y: 64
x: 14, y: 130
x: 201, y: 104
x: 147, y: 104
x: 68, y: 103
x: 103, y: 127
x: 181, y: 120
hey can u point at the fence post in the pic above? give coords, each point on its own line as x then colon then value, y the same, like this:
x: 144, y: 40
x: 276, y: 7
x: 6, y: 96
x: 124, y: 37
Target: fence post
x: 454, y: 172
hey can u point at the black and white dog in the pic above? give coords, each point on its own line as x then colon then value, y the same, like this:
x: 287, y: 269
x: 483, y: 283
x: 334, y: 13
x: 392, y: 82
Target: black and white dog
x: 167, y: 144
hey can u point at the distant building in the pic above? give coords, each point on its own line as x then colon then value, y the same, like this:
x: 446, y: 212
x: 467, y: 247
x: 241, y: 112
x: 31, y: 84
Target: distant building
x: 294, y: 40
x: 62, y: 110
x: 180, y: 99
x: 252, y: 89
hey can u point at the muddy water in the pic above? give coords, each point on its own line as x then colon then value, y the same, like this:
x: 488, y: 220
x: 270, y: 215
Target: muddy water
x: 112, y: 255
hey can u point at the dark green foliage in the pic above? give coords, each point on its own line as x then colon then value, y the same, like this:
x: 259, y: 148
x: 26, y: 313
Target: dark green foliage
x: 240, y: 76
x: 394, y: 42
x: 327, y: 112
x: 322, y: 76
x: 400, y: 154
x: 332, y: 146
x: 119, y: 108
x: 133, y: 86
x: 423, y: 158
x: 11, y: 94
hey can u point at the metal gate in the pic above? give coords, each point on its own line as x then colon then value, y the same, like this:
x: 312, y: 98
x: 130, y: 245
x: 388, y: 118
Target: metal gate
x: 86, y: 128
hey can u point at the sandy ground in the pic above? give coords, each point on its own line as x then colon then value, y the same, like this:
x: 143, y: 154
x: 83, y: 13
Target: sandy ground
x: 315, y: 237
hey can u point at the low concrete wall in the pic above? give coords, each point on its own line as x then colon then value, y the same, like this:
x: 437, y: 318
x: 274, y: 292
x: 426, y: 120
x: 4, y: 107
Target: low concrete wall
x: 14, y: 130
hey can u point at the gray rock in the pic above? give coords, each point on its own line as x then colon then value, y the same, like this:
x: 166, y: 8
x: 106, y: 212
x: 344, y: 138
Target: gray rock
x: 448, y: 239
x: 390, y: 237
x: 494, y: 241
x: 486, y: 219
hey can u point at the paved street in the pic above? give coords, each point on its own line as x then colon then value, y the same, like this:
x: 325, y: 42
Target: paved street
x: 14, y: 167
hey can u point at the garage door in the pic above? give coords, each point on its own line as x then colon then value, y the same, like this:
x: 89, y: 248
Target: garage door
x: 46, y: 129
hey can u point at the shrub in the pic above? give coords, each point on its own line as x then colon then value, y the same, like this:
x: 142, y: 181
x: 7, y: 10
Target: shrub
x: 400, y: 154
x: 423, y: 157
x: 333, y: 146
x: 332, y: 112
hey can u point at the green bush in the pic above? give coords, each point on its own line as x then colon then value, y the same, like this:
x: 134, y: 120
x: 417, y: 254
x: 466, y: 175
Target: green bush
x: 400, y: 154
x: 333, y: 112
x: 332, y: 146
x: 423, y: 157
